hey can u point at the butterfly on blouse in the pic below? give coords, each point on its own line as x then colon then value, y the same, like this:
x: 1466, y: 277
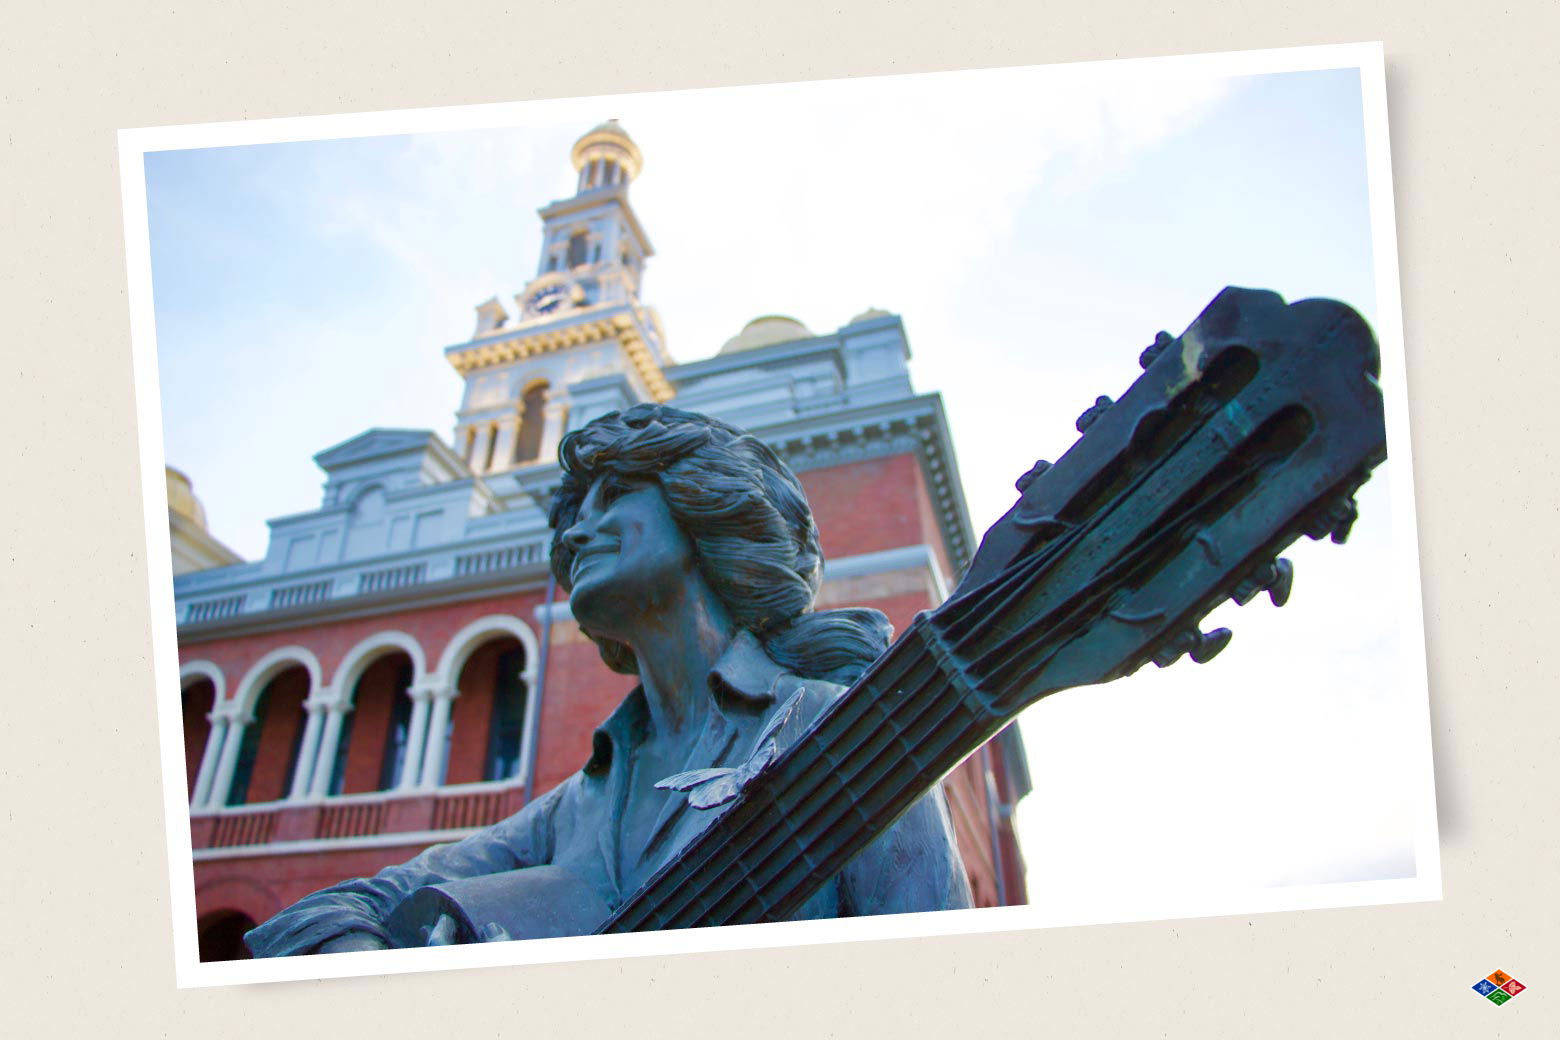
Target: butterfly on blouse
x: 708, y: 788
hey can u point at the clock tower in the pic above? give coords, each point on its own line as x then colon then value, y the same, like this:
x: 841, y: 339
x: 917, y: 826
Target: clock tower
x: 580, y: 342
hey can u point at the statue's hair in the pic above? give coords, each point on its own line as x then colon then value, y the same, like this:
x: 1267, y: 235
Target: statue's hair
x: 751, y: 527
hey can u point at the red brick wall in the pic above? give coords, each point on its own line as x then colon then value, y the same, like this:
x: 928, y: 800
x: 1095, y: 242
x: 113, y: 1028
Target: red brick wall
x: 877, y: 504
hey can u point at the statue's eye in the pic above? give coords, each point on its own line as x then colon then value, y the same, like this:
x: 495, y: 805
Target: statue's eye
x: 612, y: 489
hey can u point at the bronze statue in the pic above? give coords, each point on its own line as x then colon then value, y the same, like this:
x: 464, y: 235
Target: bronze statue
x: 692, y: 561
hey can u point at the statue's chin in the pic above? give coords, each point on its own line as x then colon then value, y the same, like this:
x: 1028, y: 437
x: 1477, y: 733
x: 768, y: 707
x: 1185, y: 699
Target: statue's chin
x: 595, y: 608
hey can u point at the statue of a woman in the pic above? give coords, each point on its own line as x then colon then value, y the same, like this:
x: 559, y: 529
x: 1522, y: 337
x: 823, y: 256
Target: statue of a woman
x: 692, y: 561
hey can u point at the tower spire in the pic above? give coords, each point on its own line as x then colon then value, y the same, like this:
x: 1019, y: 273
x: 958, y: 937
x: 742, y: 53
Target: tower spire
x: 580, y: 314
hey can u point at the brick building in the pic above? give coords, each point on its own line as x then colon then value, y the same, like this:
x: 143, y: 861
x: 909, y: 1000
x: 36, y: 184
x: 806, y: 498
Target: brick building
x: 398, y: 671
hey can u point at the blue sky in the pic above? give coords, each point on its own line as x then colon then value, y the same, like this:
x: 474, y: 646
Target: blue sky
x: 1034, y: 232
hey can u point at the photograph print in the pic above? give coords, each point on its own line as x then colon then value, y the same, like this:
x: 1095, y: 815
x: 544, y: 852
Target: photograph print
x: 894, y: 547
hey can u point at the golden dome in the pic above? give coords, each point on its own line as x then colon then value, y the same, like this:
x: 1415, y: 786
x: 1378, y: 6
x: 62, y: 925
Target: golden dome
x: 182, y: 500
x: 765, y: 331
x: 868, y: 315
x: 608, y: 140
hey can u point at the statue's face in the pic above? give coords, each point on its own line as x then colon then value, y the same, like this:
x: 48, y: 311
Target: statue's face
x: 629, y: 555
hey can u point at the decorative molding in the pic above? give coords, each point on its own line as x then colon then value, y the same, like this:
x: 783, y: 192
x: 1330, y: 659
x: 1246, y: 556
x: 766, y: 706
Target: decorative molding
x: 517, y: 346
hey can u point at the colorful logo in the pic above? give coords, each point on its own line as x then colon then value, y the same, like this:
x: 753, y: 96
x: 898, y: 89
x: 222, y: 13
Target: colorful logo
x: 1497, y: 987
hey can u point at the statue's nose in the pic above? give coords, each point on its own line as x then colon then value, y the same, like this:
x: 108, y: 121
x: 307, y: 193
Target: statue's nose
x: 578, y: 536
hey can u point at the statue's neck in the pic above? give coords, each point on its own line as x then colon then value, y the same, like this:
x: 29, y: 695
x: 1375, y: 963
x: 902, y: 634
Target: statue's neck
x: 677, y: 646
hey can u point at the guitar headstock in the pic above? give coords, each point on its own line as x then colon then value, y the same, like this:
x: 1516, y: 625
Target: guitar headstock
x: 1253, y: 427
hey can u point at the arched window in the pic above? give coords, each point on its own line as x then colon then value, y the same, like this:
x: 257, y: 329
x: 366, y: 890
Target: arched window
x: 577, y: 248
x: 268, y: 752
x: 196, y: 701
x: 506, y: 721
x: 222, y: 936
x: 393, y: 758
x: 533, y: 409
x: 372, y: 749
x: 487, y: 720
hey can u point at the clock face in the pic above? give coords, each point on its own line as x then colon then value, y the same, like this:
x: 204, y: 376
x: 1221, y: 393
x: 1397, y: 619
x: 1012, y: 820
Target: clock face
x: 545, y: 301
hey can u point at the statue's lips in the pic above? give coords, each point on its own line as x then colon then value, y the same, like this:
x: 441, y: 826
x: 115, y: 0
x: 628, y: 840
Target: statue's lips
x: 583, y: 556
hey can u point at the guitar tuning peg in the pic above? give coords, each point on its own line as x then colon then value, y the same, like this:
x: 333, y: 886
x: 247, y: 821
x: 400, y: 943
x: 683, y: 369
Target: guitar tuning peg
x: 1351, y: 513
x: 1201, y: 646
x: 1100, y: 406
x: 1027, y: 479
x: 1276, y: 578
x: 1152, y: 352
x: 1210, y: 645
x: 1335, y: 519
x: 1179, y: 644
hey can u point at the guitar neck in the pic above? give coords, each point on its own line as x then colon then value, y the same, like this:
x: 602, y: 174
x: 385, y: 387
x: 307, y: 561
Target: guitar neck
x: 870, y: 755
x: 1251, y: 429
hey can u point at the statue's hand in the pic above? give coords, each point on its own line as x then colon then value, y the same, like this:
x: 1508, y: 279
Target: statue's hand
x: 444, y: 931
x: 353, y: 942
x: 495, y: 932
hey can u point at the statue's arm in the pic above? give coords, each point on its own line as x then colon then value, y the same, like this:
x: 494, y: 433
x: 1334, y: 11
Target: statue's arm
x: 914, y: 866
x: 350, y: 916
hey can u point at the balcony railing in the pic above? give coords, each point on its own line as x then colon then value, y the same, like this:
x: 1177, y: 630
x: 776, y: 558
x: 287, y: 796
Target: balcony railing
x: 231, y: 592
x: 461, y: 807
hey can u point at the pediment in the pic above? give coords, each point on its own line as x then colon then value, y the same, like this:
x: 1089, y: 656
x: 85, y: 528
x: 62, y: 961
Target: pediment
x: 374, y: 443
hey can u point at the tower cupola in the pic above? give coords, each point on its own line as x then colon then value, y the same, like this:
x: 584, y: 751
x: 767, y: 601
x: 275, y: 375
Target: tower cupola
x: 606, y: 157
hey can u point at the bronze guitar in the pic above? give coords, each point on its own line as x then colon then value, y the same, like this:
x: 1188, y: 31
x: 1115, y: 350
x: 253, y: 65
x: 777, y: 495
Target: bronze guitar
x: 1252, y: 428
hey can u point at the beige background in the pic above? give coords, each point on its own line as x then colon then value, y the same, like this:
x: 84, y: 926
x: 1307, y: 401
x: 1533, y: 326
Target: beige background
x: 1473, y: 99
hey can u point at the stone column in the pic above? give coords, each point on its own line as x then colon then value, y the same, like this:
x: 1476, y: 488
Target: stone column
x: 319, y: 780
x: 555, y: 416
x: 479, y: 448
x: 308, y: 748
x: 208, y: 760
x: 236, y: 724
x: 438, y: 722
x: 504, y: 448
x: 416, y: 737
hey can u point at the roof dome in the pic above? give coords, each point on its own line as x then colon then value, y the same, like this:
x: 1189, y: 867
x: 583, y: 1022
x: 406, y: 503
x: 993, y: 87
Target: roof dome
x: 765, y: 331
x: 182, y: 500
x: 608, y: 141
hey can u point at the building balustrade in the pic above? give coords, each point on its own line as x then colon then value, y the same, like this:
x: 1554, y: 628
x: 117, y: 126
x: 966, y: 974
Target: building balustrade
x: 453, y: 808
x: 204, y: 596
x: 212, y: 609
x: 391, y: 578
x: 298, y: 595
